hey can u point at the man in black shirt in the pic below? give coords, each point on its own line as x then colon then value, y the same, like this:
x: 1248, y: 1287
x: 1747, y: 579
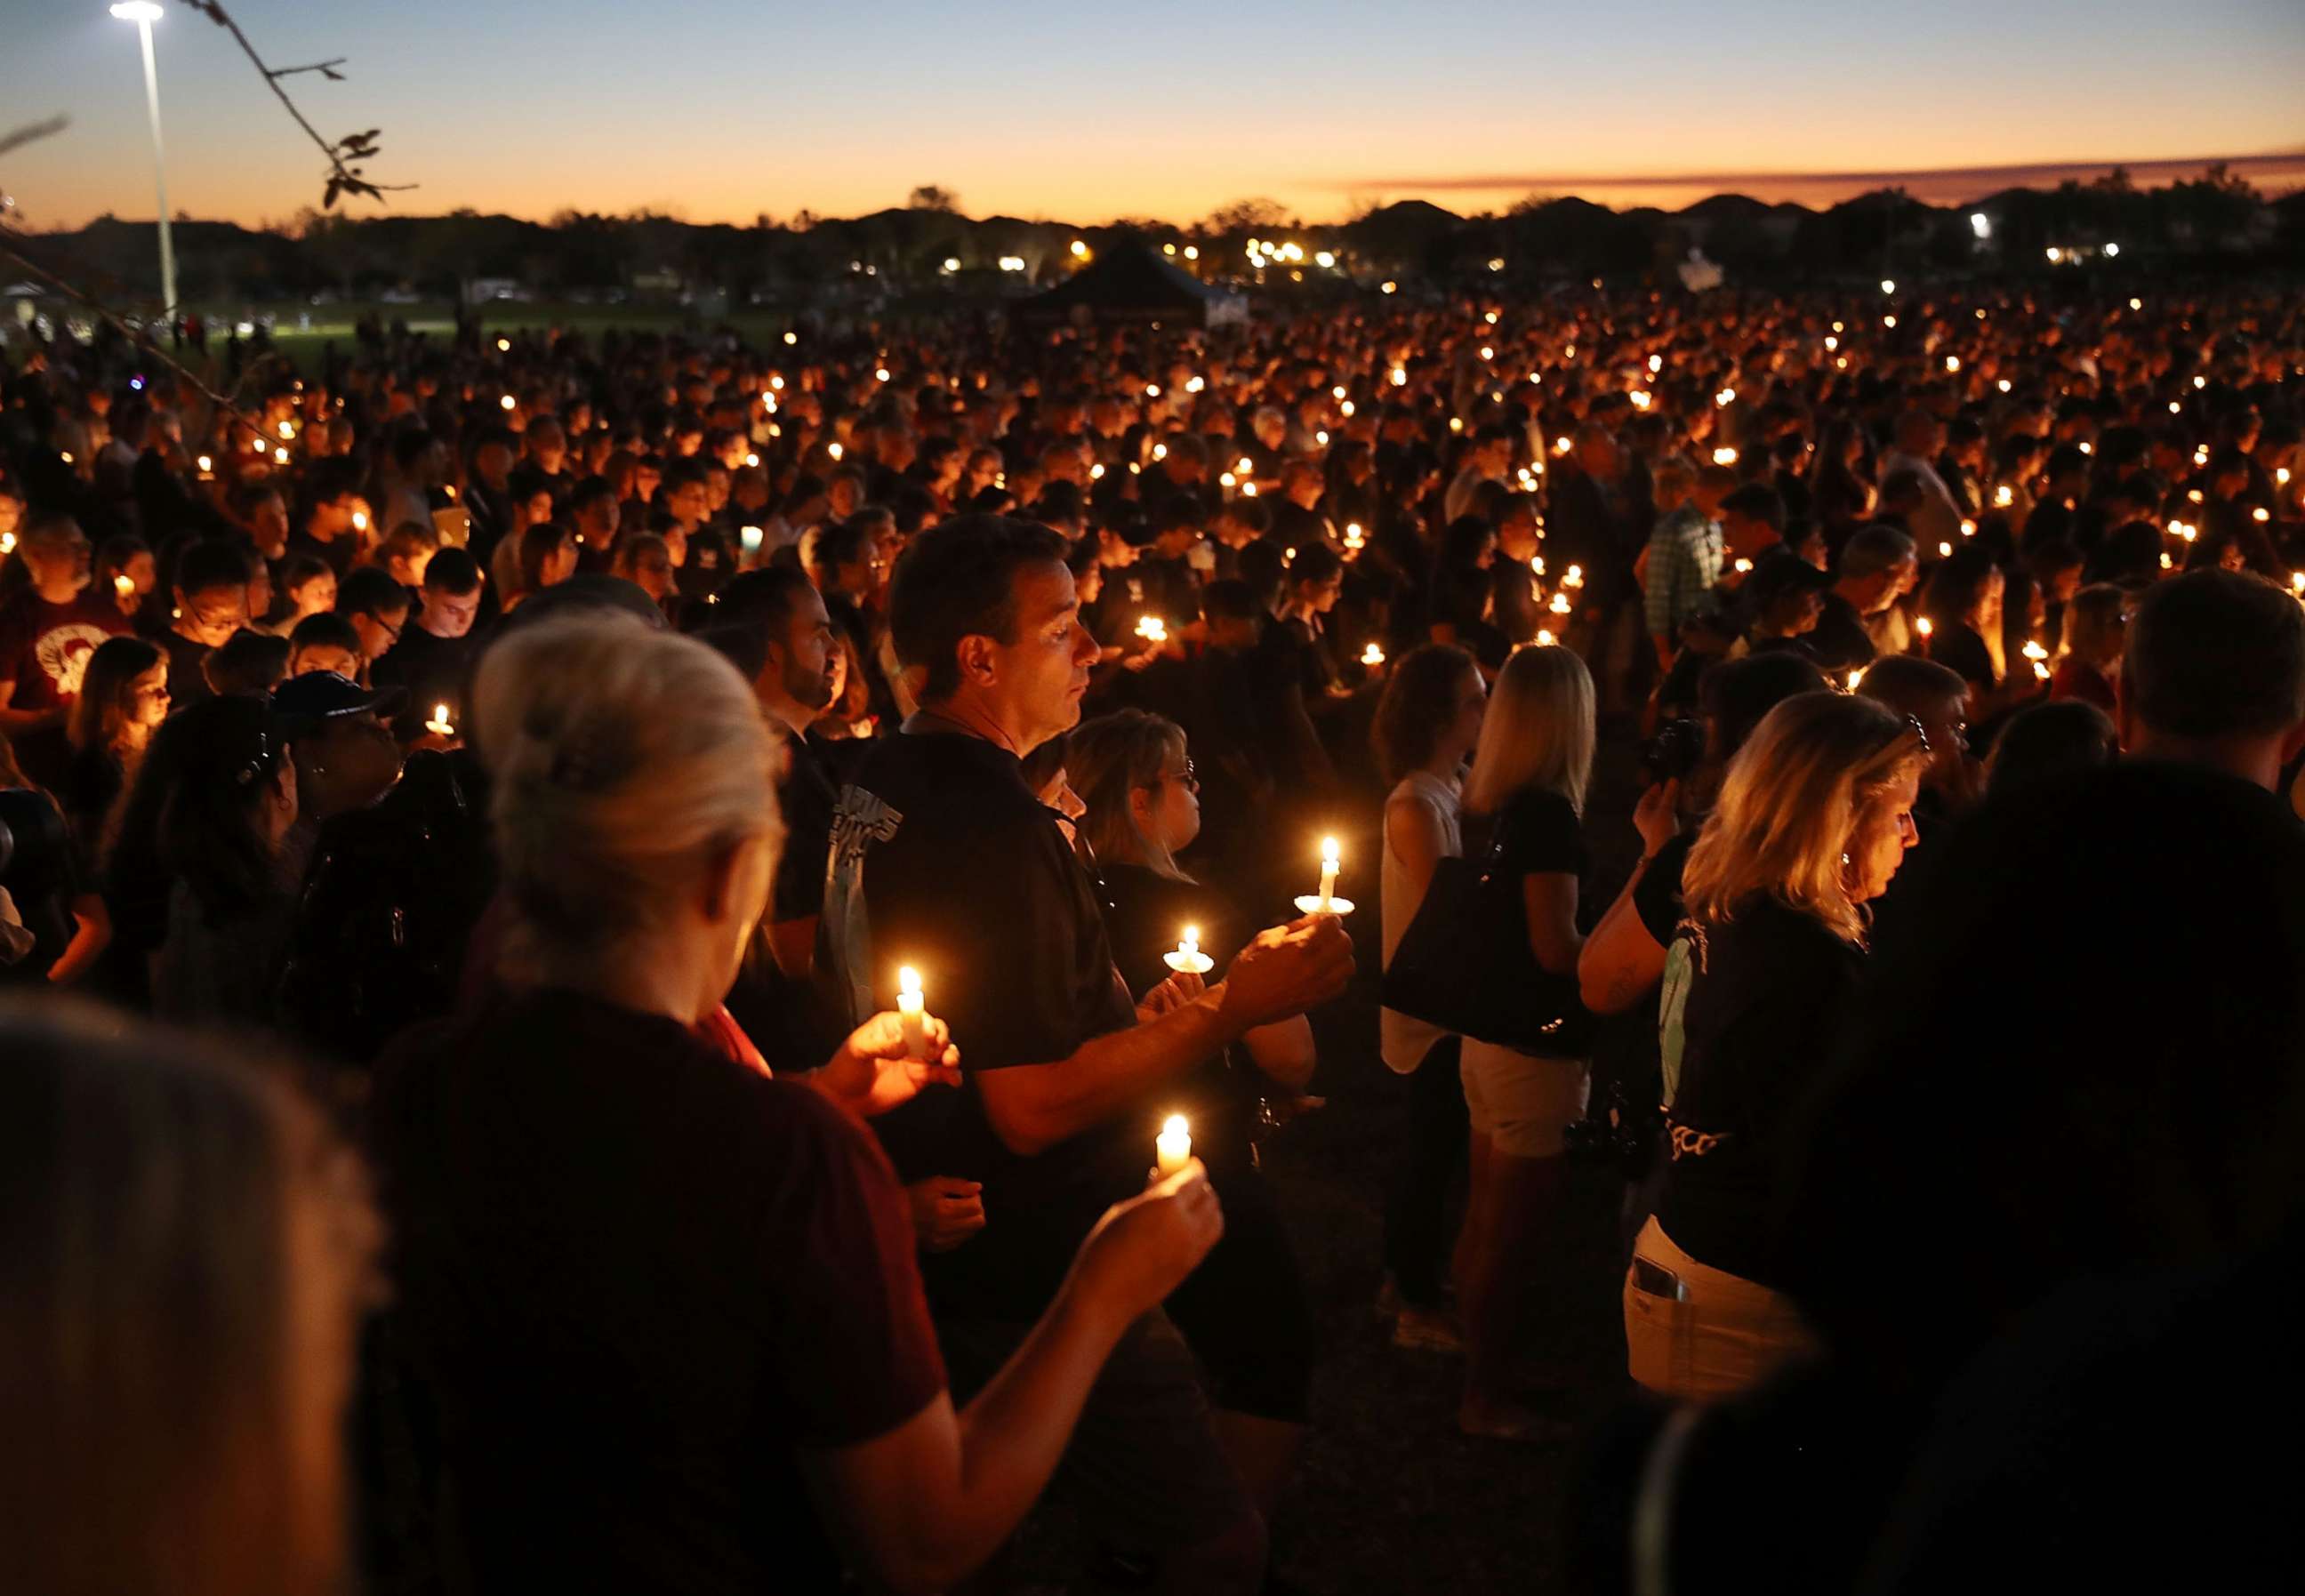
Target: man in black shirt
x: 944, y: 860
x: 430, y: 661
x: 211, y: 594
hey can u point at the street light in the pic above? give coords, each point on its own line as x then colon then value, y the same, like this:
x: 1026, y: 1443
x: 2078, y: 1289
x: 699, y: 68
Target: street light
x: 144, y: 14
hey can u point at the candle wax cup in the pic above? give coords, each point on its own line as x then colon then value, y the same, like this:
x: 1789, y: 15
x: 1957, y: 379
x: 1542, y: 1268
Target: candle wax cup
x: 1312, y: 902
x: 1190, y: 963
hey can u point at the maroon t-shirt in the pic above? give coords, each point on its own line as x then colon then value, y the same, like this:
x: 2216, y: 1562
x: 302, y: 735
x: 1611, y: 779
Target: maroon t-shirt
x: 638, y: 1279
x: 44, y: 647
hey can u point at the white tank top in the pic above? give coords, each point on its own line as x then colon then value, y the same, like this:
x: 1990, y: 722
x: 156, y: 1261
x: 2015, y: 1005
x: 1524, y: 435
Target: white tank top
x: 1404, y: 1042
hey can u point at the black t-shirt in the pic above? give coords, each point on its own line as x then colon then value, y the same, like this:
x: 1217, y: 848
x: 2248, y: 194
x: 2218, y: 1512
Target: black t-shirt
x: 188, y: 681
x: 1145, y: 914
x: 1762, y: 1003
x: 334, y: 553
x: 1541, y: 835
x: 944, y: 860
x: 638, y: 1280
x: 430, y: 670
x: 805, y: 796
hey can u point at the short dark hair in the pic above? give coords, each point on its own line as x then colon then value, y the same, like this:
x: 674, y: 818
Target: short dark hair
x: 958, y: 580
x: 327, y: 629
x: 760, y: 603
x: 2049, y: 741
x: 2215, y: 654
x: 369, y: 591
x: 1759, y: 501
x: 208, y: 566
x: 589, y: 490
x: 454, y: 571
x: 1316, y: 562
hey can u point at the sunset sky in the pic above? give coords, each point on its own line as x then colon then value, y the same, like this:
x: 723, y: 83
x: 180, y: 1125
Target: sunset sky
x: 713, y: 110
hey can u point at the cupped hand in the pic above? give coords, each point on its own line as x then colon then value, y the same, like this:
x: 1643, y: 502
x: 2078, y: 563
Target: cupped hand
x: 1143, y: 1248
x: 873, y: 1071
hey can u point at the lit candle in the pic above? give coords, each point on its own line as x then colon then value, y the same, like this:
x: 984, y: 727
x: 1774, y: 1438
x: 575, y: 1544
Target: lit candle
x: 2297, y: 583
x: 508, y: 402
x: 1173, y: 1149
x: 1188, y: 959
x: 440, y: 725
x: 1152, y: 629
x: 910, y: 1013
x: 1724, y: 456
x: 1355, y: 538
x: 208, y: 465
x: 124, y: 585
x: 1326, y: 901
x: 1923, y: 626
x: 1372, y: 655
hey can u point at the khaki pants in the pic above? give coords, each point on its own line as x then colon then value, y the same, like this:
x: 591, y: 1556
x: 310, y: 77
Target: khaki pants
x: 1722, y: 1335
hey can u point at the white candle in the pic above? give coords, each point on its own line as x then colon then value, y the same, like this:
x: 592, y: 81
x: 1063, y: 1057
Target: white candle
x: 1173, y: 1149
x: 1372, y: 655
x: 1329, y: 860
x: 1188, y: 959
x: 910, y: 1013
x: 440, y: 725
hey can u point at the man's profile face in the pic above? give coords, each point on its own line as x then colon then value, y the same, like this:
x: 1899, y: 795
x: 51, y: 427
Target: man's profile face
x: 1043, y: 673
x: 810, y: 653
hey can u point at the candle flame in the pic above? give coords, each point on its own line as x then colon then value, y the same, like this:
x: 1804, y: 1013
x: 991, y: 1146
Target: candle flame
x: 1174, y: 1126
x: 1329, y: 852
x: 909, y: 980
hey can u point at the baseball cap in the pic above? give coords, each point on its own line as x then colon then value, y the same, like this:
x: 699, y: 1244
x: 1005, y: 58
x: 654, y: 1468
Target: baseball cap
x: 305, y: 702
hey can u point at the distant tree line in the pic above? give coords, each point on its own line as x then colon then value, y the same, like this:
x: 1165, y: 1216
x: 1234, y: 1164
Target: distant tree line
x: 2217, y: 221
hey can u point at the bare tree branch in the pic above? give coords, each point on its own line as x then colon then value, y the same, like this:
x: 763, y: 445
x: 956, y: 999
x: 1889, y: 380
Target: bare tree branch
x: 32, y: 132
x: 325, y: 68
x: 341, y: 179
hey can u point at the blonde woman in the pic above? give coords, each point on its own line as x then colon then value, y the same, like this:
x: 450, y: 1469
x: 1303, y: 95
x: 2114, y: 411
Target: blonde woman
x: 1525, y: 795
x: 666, y: 1300
x: 1813, y: 821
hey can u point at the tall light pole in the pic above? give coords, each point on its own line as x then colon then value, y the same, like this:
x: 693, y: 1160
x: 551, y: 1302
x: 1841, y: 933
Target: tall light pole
x: 144, y: 14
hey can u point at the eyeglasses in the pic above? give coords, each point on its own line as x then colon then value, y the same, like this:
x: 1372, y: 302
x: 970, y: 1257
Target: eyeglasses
x: 1190, y: 776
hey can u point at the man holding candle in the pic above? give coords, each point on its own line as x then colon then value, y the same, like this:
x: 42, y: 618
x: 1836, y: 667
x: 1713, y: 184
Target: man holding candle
x: 943, y: 857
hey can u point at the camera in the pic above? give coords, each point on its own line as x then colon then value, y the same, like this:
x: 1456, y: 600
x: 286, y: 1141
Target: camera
x: 1672, y: 754
x: 1615, y: 1132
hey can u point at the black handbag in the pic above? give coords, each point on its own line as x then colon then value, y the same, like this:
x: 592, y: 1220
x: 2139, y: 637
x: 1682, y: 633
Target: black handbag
x: 1464, y: 964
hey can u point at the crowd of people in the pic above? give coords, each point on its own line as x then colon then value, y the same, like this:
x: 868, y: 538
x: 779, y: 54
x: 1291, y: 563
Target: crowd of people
x: 613, y: 933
